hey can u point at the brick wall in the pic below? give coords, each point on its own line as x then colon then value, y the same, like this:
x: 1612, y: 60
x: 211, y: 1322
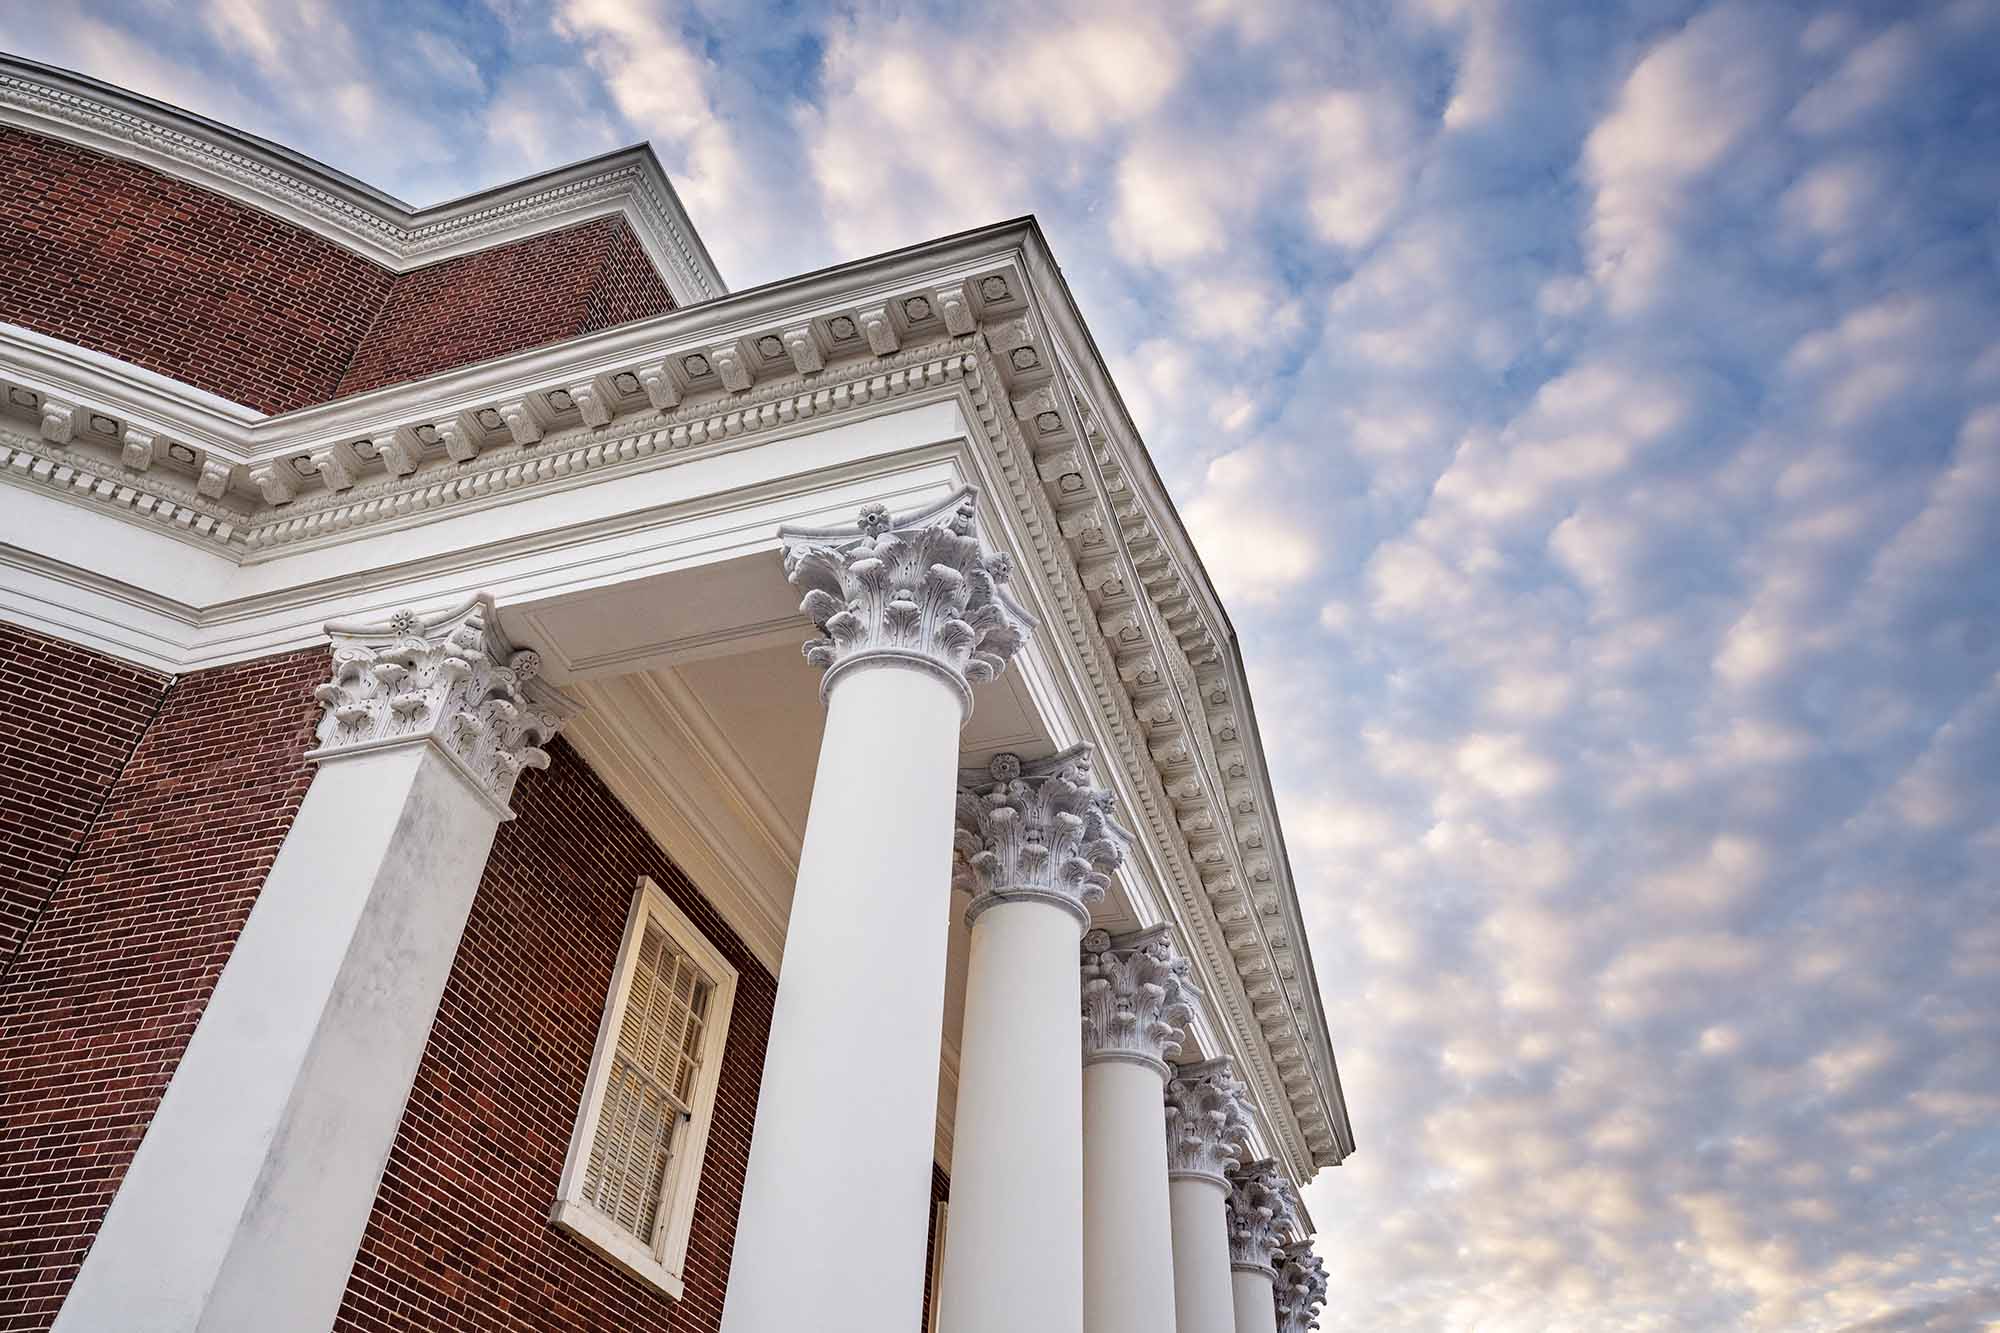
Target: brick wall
x: 491, y: 302
x: 71, y: 720
x: 460, y: 1236
x: 126, y: 260
x: 129, y: 261
x: 940, y: 1193
x: 98, y: 1004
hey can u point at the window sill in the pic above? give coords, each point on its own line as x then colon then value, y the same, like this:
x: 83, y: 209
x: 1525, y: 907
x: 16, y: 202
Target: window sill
x: 617, y: 1245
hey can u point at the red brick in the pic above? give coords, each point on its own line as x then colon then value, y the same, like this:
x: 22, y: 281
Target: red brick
x: 102, y: 995
x: 150, y: 269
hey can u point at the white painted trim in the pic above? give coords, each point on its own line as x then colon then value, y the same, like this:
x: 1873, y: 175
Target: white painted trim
x: 275, y: 180
x: 588, y: 507
x: 662, y: 1263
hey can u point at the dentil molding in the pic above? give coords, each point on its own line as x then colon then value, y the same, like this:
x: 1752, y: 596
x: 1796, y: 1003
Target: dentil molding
x: 1208, y: 1129
x: 1037, y: 831
x: 1138, y: 996
x: 445, y: 678
x: 1261, y: 1210
x: 982, y: 321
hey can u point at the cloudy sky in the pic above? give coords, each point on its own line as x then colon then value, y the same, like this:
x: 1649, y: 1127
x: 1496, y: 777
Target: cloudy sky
x: 1592, y: 415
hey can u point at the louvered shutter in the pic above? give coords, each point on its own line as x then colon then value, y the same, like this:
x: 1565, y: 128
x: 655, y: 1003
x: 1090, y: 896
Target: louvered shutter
x: 647, y: 1097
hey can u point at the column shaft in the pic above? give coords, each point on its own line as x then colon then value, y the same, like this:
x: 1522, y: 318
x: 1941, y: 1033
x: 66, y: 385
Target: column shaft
x: 1128, y: 1241
x: 836, y: 1199
x: 1203, y: 1299
x: 1255, y: 1301
x: 246, y: 1201
x: 1013, y: 1254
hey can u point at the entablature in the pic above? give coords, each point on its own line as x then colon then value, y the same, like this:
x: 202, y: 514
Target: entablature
x: 982, y: 321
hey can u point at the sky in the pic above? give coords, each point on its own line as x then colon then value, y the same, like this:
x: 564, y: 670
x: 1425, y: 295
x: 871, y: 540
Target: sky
x: 1591, y: 416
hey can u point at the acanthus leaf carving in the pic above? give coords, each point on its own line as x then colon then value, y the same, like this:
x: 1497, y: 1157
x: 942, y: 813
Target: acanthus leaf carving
x: 1261, y: 1210
x: 446, y: 678
x: 1138, y: 997
x: 1301, y: 1288
x: 1208, y: 1126
x: 1037, y: 829
x: 920, y: 588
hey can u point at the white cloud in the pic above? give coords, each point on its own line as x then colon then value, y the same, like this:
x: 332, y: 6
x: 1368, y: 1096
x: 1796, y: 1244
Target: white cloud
x: 1864, y: 81
x: 1249, y: 544
x: 1360, y: 154
x: 1690, y: 100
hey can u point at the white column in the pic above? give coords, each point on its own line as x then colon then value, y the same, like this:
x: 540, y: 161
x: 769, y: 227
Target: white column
x: 1301, y: 1288
x: 1136, y: 995
x: 836, y: 1198
x: 1260, y: 1210
x: 1036, y: 848
x: 248, y: 1196
x: 1206, y: 1131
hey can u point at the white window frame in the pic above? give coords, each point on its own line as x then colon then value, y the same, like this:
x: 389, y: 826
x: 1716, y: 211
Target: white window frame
x: 660, y: 1264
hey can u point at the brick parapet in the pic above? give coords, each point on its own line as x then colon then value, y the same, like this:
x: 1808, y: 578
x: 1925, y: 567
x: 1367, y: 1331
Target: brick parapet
x: 128, y: 261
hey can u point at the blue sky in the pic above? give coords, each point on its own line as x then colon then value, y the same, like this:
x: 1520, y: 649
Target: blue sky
x: 1592, y: 416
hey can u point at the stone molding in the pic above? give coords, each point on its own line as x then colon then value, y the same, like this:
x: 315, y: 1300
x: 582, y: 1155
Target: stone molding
x: 1208, y: 1128
x: 1261, y: 1210
x: 1138, y: 997
x: 1301, y: 1288
x: 446, y: 678
x: 918, y: 589
x: 1035, y: 831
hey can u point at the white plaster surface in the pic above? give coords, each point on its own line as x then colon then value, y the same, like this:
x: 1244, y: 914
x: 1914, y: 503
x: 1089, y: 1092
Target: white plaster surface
x: 248, y: 1196
x: 836, y: 1198
x: 1013, y: 1255
x: 1203, y: 1299
x: 1256, y: 1302
x: 1128, y: 1255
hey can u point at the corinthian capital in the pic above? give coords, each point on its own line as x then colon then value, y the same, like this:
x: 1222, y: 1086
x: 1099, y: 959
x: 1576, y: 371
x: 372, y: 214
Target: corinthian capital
x: 1035, y: 831
x: 446, y: 678
x: 1301, y: 1288
x: 1136, y: 997
x: 1207, y: 1128
x: 1260, y: 1212
x: 919, y: 588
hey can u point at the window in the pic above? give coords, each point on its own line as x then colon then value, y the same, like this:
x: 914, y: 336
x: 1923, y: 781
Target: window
x: 634, y: 1164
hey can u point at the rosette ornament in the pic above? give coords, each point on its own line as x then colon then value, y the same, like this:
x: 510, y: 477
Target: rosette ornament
x: 1301, y: 1288
x: 1207, y: 1127
x: 1038, y: 831
x: 1137, y: 997
x: 1260, y: 1212
x: 920, y: 588
x: 447, y: 678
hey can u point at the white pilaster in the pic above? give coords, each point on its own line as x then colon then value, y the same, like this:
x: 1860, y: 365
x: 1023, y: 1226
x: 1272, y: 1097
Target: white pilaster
x: 1206, y: 1132
x: 836, y: 1198
x: 1260, y: 1211
x: 1301, y: 1288
x: 1136, y: 994
x: 1036, y: 847
x: 247, y: 1198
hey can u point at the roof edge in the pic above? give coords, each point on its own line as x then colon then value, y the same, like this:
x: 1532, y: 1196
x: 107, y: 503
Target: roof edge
x: 59, y: 103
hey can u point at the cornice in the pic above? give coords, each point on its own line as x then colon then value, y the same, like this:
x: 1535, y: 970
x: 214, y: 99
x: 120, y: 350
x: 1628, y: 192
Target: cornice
x: 275, y: 180
x: 966, y: 319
